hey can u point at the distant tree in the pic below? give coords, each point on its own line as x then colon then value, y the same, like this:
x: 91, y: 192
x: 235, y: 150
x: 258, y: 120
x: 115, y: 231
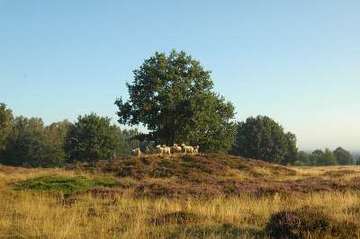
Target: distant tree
x: 343, y: 157
x: 6, y: 119
x: 92, y: 138
x: 358, y: 161
x: 303, y: 159
x: 172, y: 96
x: 323, y: 158
x: 56, y: 134
x: 263, y: 138
x: 329, y: 158
x: 28, y: 145
x: 316, y: 157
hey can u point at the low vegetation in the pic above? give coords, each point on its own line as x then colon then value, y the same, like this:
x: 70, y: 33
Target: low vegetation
x: 64, y: 184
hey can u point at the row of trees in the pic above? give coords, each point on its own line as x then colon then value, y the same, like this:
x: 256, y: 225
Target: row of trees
x: 319, y: 157
x: 172, y: 96
x: 28, y: 142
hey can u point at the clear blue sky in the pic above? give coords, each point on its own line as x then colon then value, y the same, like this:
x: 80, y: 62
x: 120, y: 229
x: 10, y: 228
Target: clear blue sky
x: 296, y: 61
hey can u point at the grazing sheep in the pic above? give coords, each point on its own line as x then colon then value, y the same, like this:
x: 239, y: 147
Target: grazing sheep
x: 187, y: 149
x: 163, y: 149
x: 176, y: 148
x: 167, y: 150
x: 136, y: 152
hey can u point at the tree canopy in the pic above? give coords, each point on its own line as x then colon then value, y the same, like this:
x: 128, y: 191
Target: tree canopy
x: 263, y: 138
x: 6, y: 118
x: 92, y: 138
x: 29, y: 145
x: 343, y: 157
x: 172, y: 96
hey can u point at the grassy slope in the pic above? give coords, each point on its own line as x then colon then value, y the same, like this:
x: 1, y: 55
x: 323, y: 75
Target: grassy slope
x: 181, y: 197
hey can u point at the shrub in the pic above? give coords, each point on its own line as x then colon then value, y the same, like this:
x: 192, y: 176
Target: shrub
x: 93, y: 138
x: 263, y: 138
x: 296, y: 224
x: 64, y: 184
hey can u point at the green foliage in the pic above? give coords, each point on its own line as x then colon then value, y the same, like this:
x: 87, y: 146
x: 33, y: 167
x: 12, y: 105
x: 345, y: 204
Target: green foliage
x: 322, y: 158
x: 64, y: 184
x: 127, y: 140
x: 28, y: 145
x: 172, y: 96
x: 6, y: 119
x: 92, y: 138
x: 303, y: 159
x: 263, y: 138
x: 343, y: 157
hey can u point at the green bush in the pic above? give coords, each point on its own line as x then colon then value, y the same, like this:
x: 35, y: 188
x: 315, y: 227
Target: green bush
x: 64, y: 184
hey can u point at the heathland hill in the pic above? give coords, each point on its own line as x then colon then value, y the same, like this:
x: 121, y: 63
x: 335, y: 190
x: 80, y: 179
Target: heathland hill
x: 183, y: 196
x: 209, y: 175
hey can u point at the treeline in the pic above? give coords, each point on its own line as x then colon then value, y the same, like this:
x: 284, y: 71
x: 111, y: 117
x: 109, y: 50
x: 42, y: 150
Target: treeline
x: 172, y: 96
x: 28, y: 142
x: 320, y: 157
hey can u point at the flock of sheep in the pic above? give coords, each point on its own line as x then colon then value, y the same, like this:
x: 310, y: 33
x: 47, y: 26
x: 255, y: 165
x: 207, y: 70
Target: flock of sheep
x: 168, y: 150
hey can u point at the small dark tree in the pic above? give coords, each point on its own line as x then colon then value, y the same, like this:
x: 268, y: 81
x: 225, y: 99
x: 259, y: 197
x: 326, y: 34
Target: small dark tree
x: 343, y: 157
x: 6, y: 119
x: 172, y: 97
x: 317, y: 156
x: 92, y: 138
x: 263, y: 138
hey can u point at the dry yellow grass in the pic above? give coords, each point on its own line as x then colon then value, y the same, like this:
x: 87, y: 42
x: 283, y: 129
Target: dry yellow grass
x: 44, y: 215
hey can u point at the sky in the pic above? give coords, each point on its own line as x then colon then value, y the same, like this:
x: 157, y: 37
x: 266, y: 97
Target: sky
x: 295, y: 61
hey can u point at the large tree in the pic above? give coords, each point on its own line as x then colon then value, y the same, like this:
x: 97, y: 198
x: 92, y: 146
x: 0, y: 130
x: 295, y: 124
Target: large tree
x: 92, y: 138
x: 343, y: 157
x: 263, y: 138
x: 172, y: 96
x: 6, y: 119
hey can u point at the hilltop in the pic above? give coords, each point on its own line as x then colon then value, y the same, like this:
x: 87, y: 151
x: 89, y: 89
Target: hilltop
x: 209, y: 175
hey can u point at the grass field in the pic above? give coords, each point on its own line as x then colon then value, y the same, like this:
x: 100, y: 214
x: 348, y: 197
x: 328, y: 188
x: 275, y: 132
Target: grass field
x: 210, y: 196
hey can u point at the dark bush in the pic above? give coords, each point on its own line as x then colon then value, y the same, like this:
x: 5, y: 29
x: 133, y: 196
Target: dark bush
x: 297, y: 224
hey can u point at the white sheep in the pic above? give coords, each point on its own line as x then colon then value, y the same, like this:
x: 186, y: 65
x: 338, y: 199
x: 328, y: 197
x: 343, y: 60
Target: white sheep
x: 187, y: 149
x: 136, y: 152
x: 176, y: 148
x: 167, y: 150
x: 163, y: 149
